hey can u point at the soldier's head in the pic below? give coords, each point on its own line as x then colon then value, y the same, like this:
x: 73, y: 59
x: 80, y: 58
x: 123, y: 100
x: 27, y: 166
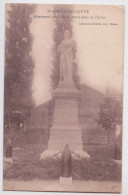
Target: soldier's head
x: 67, y: 34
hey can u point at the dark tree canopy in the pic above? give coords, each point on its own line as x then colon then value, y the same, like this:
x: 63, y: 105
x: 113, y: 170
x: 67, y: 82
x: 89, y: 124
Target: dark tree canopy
x: 61, y: 24
x: 18, y: 60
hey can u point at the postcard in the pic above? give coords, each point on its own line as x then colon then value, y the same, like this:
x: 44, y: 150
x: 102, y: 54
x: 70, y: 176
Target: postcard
x: 63, y: 97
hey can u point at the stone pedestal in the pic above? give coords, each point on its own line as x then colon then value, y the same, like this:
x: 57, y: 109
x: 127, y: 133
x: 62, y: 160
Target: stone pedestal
x: 65, y: 129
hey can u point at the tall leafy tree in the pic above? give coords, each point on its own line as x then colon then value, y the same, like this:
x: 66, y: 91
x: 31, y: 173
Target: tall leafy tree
x: 62, y: 23
x: 18, y: 60
x: 110, y: 114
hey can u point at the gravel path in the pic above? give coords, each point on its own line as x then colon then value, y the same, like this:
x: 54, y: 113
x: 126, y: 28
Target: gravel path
x: 79, y: 186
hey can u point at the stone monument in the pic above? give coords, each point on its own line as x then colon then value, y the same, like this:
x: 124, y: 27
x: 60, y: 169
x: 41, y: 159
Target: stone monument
x: 65, y: 128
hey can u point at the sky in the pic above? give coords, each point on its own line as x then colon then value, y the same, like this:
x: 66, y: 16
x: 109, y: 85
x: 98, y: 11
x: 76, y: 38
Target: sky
x: 99, y: 49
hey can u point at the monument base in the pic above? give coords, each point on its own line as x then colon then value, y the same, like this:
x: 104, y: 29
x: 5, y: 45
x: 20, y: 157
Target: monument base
x: 65, y: 128
x: 57, y: 154
x: 80, y: 154
x: 50, y: 154
x: 65, y: 180
x: 59, y: 139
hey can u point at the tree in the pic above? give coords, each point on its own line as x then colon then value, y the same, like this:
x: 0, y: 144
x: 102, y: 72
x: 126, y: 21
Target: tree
x: 110, y: 114
x: 61, y: 24
x: 18, y: 60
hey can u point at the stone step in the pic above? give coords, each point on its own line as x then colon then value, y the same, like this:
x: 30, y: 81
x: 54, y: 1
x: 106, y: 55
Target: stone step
x: 68, y: 127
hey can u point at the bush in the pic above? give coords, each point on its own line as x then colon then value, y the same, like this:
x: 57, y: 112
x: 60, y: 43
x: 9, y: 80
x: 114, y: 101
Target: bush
x: 43, y: 169
x: 106, y: 152
x: 93, y: 169
x: 27, y: 166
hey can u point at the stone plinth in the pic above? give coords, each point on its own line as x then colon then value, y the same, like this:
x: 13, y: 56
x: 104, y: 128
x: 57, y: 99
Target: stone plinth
x: 65, y: 129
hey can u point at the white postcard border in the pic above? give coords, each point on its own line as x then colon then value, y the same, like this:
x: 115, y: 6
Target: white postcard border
x: 125, y: 107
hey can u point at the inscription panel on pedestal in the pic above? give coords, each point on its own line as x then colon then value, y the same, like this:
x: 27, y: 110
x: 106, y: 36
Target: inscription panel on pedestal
x: 66, y: 112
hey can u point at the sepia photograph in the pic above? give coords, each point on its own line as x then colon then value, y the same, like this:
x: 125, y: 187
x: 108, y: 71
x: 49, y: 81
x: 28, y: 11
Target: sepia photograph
x: 63, y: 98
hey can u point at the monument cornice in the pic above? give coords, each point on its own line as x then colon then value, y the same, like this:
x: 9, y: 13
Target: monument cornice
x: 66, y: 92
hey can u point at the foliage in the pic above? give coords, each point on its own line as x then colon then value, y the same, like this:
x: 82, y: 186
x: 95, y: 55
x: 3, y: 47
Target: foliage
x: 96, y: 169
x: 102, y: 169
x: 18, y: 60
x: 27, y: 165
x: 61, y: 24
x: 100, y: 151
x: 110, y: 114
